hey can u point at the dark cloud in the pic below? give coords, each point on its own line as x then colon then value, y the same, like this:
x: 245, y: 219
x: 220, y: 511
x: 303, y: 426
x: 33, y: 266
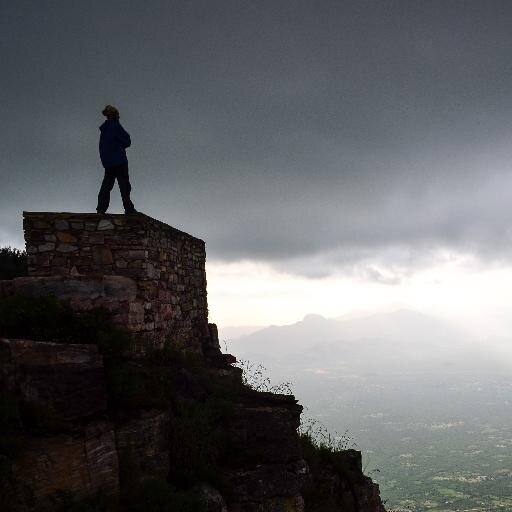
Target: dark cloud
x: 295, y: 132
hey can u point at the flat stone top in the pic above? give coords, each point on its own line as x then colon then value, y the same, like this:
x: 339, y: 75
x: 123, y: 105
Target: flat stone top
x: 134, y: 219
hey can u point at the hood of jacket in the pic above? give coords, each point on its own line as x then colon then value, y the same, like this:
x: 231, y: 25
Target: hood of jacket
x: 107, y: 123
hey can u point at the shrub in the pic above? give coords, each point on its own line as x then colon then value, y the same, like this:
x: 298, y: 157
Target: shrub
x: 321, y: 438
x: 49, y: 319
x: 13, y: 263
x: 324, y: 451
x: 134, y: 385
x: 254, y: 376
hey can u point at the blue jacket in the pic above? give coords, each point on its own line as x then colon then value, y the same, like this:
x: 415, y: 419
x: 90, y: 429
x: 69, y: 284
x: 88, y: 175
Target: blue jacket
x: 114, y: 139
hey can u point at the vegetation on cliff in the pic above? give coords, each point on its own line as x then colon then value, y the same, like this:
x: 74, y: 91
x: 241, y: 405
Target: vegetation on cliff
x: 13, y: 263
x: 50, y: 319
x: 224, y: 427
x: 130, y: 387
x: 200, y: 404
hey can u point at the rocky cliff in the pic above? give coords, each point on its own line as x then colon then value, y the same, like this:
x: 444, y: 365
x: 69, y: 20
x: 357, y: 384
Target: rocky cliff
x: 166, y: 411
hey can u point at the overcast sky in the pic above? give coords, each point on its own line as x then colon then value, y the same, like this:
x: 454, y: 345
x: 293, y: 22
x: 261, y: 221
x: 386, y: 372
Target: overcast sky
x: 368, y: 139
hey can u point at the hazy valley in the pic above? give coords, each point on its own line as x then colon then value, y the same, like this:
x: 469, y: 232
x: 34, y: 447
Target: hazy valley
x: 429, y: 407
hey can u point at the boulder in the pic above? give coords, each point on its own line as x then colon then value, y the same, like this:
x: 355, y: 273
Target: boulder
x: 67, y: 379
x: 82, y: 464
x: 143, y: 445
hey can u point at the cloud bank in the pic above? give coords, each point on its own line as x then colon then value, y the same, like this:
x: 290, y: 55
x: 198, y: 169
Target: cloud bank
x: 363, y: 137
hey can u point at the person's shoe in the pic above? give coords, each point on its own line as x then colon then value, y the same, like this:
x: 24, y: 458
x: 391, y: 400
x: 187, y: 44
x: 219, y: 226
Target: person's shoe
x: 101, y: 212
x: 130, y: 211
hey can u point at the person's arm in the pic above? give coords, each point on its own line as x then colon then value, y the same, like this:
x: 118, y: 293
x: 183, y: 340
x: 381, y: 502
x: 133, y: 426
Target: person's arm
x: 124, y: 137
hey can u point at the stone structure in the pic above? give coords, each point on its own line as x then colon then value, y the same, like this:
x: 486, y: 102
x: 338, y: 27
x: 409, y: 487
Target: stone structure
x: 89, y: 257
x: 82, y: 428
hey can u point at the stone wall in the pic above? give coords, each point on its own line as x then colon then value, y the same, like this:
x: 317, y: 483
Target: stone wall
x: 166, y: 265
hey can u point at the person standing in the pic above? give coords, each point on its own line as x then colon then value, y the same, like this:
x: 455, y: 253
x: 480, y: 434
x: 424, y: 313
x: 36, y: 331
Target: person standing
x: 114, y: 140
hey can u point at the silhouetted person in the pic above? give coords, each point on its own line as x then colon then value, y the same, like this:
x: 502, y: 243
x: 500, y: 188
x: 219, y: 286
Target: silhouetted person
x: 114, y: 140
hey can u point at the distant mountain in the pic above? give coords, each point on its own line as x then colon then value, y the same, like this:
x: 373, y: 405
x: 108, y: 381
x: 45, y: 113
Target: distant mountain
x: 279, y: 341
x: 391, y: 340
x: 230, y: 333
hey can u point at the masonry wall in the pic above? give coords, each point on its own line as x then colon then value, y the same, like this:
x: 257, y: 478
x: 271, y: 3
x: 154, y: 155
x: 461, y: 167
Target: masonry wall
x: 166, y: 265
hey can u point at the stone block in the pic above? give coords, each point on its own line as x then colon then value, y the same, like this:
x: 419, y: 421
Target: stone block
x: 105, y: 224
x: 46, y: 247
x: 263, y: 429
x: 102, y: 255
x: 115, y: 293
x: 136, y: 315
x: 82, y: 464
x: 77, y: 288
x: 67, y: 378
x: 97, y: 238
x: 266, y: 486
x: 66, y: 248
x: 143, y: 445
x: 61, y: 225
x: 65, y: 237
x: 121, y: 263
x: 39, y: 224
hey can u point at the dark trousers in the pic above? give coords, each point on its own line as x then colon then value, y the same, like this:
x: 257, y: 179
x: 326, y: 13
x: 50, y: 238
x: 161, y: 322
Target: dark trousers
x: 120, y: 173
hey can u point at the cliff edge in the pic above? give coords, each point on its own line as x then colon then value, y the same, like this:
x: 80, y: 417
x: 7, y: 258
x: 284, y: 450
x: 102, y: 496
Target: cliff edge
x: 115, y: 394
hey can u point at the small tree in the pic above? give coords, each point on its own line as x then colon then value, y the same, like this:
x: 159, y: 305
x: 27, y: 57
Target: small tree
x: 13, y: 263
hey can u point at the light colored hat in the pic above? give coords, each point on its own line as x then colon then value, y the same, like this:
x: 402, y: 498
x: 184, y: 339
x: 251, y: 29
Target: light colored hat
x: 110, y: 111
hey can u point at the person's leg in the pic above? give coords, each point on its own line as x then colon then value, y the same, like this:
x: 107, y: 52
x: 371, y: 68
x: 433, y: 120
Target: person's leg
x: 123, y: 180
x: 104, y: 194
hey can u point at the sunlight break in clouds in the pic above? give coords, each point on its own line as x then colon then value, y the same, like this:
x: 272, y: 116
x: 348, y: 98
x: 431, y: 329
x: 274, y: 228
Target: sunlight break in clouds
x: 457, y: 287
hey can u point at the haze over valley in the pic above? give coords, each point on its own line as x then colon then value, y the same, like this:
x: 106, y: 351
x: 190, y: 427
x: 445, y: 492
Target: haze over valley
x: 427, y: 403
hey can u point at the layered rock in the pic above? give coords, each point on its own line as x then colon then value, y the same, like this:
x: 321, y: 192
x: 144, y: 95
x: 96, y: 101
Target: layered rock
x: 67, y: 444
x: 339, y: 484
x: 92, y: 448
x: 267, y: 470
x: 143, y: 445
x: 82, y: 447
x: 82, y: 463
x: 69, y: 380
x: 71, y: 442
